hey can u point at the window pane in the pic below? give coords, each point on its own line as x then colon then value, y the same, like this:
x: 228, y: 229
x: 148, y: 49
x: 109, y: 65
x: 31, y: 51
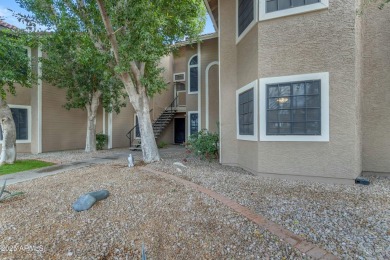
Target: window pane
x: 299, y: 102
x: 296, y: 3
x: 312, y: 1
x: 285, y: 128
x: 272, y: 128
x: 273, y: 116
x: 313, y: 128
x: 299, y: 128
x: 272, y: 5
x: 299, y: 115
x: 276, y: 5
x: 245, y: 14
x: 273, y: 91
x: 299, y: 89
x: 193, y: 123
x: 284, y: 4
x: 284, y: 116
x: 313, y: 87
x: 297, y: 109
x: 314, y: 114
x: 137, y: 131
x: 193, y: 79
x: 273, y: 103
x: 285, y: 90
x: 313, y: 101
x: 194, y: 61
x: 246, y: 116
x: 284, y: 102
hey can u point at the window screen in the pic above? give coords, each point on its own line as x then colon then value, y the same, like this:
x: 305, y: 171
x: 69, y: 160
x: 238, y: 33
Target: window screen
x: 20, y: 116
x: 294, y: 108
x: 245, y: 112
x: 276, y: 5
x: 245, y: 14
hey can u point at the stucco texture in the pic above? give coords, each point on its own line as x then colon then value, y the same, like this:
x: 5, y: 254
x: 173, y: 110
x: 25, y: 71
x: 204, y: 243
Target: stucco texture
x: 319, y: 41
x: 376, y: 89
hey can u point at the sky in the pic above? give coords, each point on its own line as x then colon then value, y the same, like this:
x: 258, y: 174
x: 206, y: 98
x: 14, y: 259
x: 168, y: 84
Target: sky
x: 10, y: 4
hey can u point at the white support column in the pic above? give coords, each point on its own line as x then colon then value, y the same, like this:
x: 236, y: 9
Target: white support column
x: 39, y: 150
x: 199, y: 89
x: 104, y: 121
x: 110, y: 131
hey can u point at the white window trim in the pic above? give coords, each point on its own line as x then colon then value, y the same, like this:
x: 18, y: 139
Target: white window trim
x: 253, y: 137
x: 324, y: 4
x: 28, y: 120
x: 180, y: 73
x: 189, y: 74
x: 189, y: 113
x: 324, y: 137
x: 255, y: 19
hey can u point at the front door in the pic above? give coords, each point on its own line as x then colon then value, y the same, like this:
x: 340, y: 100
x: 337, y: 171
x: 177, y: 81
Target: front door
x: 180, y: 130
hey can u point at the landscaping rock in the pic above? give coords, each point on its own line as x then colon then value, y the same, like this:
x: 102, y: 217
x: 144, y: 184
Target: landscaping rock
x: 100, y: 195
x: 86, y: 201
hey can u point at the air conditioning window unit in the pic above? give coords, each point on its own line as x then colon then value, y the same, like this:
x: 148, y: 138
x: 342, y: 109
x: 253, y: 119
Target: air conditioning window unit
x: 179, y: 77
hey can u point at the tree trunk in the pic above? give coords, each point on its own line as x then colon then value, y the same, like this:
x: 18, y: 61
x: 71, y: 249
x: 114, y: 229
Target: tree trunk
x: 90, y: 144
x: 140, y: 103
x: 8, y: 149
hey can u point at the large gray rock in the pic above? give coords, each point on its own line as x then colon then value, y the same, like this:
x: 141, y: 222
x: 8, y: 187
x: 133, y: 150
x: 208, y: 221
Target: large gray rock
x: 86, y: 201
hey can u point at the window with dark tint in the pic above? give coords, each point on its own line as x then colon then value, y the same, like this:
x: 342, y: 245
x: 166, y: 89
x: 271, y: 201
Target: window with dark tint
x: 276, y: 5
x: 20, y: 116
x: 193, y: 123
x: 245, y: 112
x: 245, y: 14
x: 194, y: 74
x: 294, y: 108
x: 137, y: 131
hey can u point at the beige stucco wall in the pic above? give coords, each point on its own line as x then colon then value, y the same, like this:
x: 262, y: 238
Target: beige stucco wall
x: 321, y: 41
x: 376, y: 89
x: 61, y: 129
x: 213, y: 98
x: 121, y: 125
x: 209, y: 54
x: 228, y: 81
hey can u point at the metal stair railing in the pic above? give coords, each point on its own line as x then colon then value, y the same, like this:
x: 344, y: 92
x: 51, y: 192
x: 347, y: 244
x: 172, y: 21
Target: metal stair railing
x: 171, y: 109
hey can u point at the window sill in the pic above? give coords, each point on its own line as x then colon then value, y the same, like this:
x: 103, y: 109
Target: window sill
x: 294, y: 138
x: 252, y: 138
x: 324, y: 4
x: 193, y: 93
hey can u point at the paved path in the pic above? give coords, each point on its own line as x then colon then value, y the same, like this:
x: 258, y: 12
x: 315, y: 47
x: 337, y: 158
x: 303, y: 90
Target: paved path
x: 55, y: 169
x: 287, y: 236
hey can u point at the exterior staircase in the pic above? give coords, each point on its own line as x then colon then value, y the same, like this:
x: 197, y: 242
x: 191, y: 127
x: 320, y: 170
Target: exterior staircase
x: 159, y: 126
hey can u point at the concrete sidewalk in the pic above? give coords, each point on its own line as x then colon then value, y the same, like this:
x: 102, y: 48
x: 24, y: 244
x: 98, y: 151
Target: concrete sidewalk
x: 55, y: 169
x: 52, y: 170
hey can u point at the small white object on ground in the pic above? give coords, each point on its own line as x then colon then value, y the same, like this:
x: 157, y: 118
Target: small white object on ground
x: 178, y: 169
x: 131, y: 160
x: 179, y: 164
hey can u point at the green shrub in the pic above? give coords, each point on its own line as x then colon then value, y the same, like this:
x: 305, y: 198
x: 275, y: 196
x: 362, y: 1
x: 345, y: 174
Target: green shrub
x: 162, y: 144
x: 204, y: 144
x: 101, y: 141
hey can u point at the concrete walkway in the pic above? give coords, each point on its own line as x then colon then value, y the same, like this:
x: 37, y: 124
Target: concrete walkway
x: 55, y: 169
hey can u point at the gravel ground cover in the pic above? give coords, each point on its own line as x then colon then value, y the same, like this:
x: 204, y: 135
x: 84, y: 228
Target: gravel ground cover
x: 172, y: 221
x: 71, y: 156
x: 352, y: 222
